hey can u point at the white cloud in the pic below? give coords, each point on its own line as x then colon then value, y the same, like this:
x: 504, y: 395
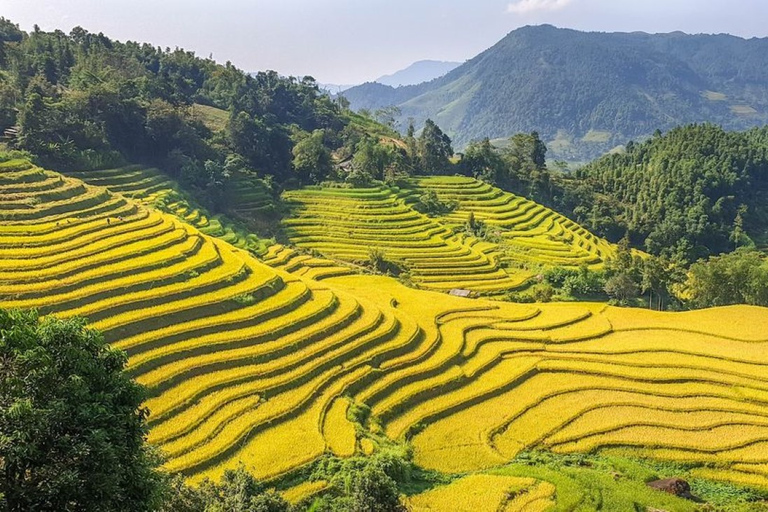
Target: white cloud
x: 528, y: 6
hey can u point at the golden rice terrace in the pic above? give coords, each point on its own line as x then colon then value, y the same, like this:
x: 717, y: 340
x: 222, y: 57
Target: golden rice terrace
x: 259, y: 361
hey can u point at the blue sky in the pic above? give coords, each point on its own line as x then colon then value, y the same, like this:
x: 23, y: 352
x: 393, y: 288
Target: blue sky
x: 351, y: 41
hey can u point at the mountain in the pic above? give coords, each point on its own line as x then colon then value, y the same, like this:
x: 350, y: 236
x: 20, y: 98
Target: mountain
x: 588, y: 92
x: 335, y: 88
x: 418, y: 72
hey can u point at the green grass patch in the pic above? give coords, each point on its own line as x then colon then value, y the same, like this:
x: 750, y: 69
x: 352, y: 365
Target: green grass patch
x: 215, y: 119
x: 597, y: 136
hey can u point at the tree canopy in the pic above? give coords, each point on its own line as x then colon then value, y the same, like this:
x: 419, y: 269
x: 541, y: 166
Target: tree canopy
x: 72, y: 427
x: 695, y: 191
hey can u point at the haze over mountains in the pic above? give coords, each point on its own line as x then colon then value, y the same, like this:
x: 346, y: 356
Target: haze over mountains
x: 417, y: 73
x: 586, y: 93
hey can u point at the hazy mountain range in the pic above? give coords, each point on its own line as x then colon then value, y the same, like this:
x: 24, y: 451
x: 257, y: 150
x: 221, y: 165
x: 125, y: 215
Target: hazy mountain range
x: 588, y: 92
x: 417, y: 73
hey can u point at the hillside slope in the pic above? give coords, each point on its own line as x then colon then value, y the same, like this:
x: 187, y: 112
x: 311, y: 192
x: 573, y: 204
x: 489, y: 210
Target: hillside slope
x: 589, y: 91
x: 694, y: 191
x: 439, y: 252
x: 250, y: 363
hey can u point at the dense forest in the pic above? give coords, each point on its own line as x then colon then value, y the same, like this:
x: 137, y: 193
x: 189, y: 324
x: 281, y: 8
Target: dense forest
x: 695, y: 191
x: 586, y: 93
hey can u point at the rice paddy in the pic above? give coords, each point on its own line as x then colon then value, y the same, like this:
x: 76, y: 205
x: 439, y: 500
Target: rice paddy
x: 438, y: 254
x: 259, y: 362
x: 153, y: 188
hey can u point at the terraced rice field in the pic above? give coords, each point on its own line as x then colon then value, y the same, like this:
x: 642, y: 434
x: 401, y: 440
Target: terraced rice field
x: 486, y: 492
x: 259, y: 363
x: 530, y: 232
x: 346, y: 224
x: 153, y: 188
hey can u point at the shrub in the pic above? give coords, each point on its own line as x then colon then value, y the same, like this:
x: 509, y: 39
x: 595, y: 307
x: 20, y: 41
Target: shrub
x: 378, y: 262
x: 542, y: 293
x: 359, y: 179
x: 430, y: 204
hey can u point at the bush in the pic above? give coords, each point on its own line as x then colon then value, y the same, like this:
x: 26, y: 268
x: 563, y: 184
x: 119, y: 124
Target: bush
x: 430, y: 204
x: 542, y: 293
x: 238, y: 491
x: 364, y: 484
x: 359, y: 179
x: 582, y: 282
x: 378, y: 262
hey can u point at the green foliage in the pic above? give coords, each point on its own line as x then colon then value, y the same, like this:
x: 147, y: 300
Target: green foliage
x: 613, y: 482
x: 378, y: 262
x: 358, y: 413
x: 434, y: 149
x: 86, y: 101
x: 737, y: 278
x: 474, y: 226
x: 622, y: 288
x: 364, y: 484
x: 72, y: 427
x: 238, y: 491
x: 693, y: 192
x: 581, y: 282
x: 430, y: 204
x: 377, y: 159
x: 519, y: 167
x: 483, y: 161
x: 311, y: 159
x: 527, y: 172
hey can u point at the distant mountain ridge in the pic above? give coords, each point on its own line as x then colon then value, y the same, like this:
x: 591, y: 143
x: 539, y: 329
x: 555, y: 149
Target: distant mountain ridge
x: 588, y: 92
x: 418, y: 72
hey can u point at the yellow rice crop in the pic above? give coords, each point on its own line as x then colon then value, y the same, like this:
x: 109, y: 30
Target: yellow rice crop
x: 535, y: 499
x: 244, y: 358
x: 471, y: 494
x: 339, y: 433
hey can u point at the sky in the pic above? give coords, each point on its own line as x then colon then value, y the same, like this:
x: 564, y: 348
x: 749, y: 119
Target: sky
x: 353, y: 41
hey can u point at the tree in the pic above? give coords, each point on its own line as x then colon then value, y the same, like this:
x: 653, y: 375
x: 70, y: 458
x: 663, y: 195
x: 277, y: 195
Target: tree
x: 412, y: 148
x: 740, y: 277
x: 374, y: 491
x: 657, y: 276
x: 435, y: 149
x: 622, y: 288
x: 738, y: 235
x: 72, y: 428
x: 239, y: 491
x: 526, y: 157
x: 373, y: 158
x: 9, y: 33
x: 311, y: 159
x: 388, y: 116
x: 484, y: 162
x: 695, y: 191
